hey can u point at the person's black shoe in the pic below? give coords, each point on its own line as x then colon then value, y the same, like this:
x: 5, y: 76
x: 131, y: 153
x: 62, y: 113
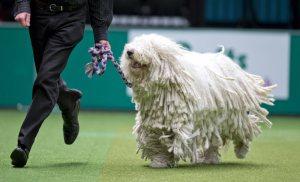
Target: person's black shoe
x: 71, y: 124
x: 19, y: 157
x: 70, y: 110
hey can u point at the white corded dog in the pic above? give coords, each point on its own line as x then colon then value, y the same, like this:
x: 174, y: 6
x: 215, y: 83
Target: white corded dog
x: 189, y: 104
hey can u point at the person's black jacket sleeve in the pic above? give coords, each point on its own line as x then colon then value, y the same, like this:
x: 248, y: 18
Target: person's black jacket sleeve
x: 101, y: 15
x: 100, y: 12
x: 21, y: 6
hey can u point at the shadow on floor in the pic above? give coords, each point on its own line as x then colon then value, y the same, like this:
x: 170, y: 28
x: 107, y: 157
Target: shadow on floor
x: 223, y: 165
x: 60, y: 165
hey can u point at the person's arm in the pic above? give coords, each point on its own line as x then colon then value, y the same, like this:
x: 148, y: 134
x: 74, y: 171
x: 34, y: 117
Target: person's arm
x: 101, y: 14
x: 22, y: 12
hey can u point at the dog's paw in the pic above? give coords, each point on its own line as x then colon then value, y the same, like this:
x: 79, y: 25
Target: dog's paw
x: 160, y: 161
x: 211, y: 156
x: 156, y: 164
x: 241, y: 151
x: 211, y: 160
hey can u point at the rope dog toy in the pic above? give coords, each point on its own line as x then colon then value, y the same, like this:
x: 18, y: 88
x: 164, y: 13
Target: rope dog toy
x: 101, y: 53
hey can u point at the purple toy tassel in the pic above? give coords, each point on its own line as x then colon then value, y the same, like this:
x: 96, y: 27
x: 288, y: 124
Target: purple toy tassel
x: 100, y: 54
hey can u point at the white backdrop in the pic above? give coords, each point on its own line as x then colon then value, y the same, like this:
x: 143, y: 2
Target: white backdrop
x: 264, y: 53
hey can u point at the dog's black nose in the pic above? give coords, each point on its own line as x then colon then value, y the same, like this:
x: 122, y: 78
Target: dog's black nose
x: 129, y: 53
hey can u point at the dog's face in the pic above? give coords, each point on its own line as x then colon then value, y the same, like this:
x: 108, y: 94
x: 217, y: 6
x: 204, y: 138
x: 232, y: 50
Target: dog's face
x: 147, y: 56
x: 137, y: 56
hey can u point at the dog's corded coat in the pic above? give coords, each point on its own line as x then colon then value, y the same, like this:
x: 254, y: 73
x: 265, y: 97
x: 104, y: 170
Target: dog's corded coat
x: 188, y: 102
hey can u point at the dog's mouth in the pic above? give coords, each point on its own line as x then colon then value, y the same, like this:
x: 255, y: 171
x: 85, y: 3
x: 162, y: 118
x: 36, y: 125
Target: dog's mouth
x: 133, y: 63
x: 137, y: 65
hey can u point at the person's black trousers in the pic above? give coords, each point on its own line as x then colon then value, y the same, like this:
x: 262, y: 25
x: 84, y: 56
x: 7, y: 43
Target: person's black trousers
x: 53, y: 37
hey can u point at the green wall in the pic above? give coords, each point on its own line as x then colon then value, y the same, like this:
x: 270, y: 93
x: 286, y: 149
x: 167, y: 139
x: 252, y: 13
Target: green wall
x: 292, y: 105
x: 17, y: 71
x: 107, y: 92
x: 16, y: 67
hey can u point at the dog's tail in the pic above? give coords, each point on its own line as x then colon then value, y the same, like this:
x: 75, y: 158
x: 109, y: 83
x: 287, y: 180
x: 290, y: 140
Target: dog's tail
x: 222, y: 51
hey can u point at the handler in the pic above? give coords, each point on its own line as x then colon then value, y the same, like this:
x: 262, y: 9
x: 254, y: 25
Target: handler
x: 55, y: 28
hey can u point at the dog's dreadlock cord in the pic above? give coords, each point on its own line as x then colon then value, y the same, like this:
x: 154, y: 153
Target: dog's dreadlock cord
x: 100, y: 54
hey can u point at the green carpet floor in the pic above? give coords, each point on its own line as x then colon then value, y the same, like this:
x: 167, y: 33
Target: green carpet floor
x: 106, y: 151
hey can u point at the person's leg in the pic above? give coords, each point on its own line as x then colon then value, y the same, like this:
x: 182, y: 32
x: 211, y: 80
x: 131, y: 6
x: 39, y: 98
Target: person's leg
x: 67, y: 33
x: 69, y: 105
x: 67, y: 97
x: 46, y: 86
x: 39, y: 34
x: 45, y: 91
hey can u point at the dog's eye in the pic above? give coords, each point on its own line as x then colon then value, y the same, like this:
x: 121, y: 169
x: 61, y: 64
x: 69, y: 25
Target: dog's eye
x: 130, y: 53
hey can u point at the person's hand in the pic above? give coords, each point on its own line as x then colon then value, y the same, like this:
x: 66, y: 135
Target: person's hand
x: 23, y: 19
x: 105, y: 42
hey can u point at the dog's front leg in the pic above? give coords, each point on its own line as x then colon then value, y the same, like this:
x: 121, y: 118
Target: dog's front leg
x: 156, y: 151
x: 212, y: 154
x: 162, y: 160
x: 240, y: 149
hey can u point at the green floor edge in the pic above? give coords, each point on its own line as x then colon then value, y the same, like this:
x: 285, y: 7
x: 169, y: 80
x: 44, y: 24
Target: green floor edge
x: 106, y: 151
